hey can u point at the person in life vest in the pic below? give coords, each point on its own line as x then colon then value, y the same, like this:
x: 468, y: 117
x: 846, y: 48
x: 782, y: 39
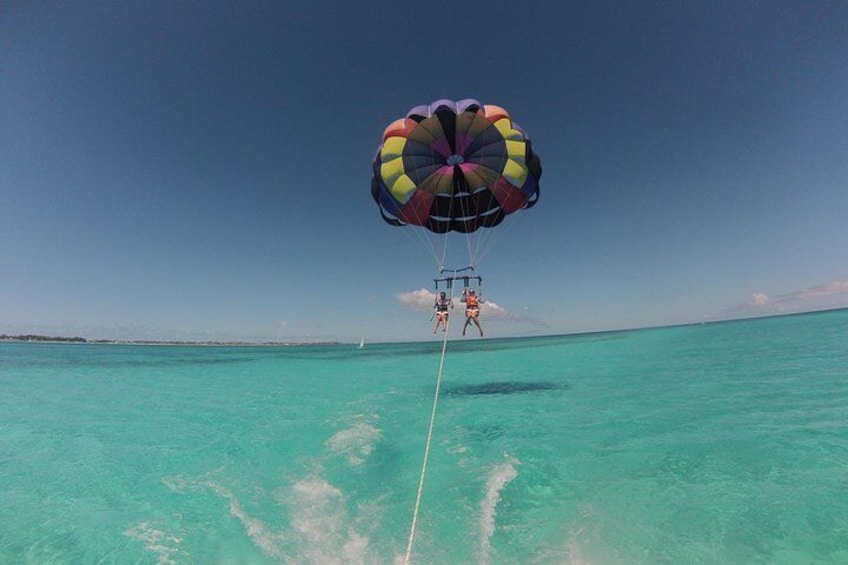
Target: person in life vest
x: 441, y: 305
x: 472, y: 309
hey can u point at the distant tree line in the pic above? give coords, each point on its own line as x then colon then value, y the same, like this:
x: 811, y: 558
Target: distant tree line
x: 45, y: 338
x: 31, y: 337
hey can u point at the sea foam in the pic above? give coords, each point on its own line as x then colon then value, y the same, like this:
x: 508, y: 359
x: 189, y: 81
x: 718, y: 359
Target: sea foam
x: 498, y: 478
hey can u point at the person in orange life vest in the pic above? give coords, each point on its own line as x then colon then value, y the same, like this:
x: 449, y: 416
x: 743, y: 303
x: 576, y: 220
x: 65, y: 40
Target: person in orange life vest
x: 472, y: 309
x: 441, y: 306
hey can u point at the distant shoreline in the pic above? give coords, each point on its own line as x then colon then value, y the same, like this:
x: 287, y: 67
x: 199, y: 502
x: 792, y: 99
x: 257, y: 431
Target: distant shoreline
x: 82, y: 340
x: 34, y: 338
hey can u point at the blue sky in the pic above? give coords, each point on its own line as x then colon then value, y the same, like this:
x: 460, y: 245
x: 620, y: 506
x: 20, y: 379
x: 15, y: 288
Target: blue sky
x: 201, y: 170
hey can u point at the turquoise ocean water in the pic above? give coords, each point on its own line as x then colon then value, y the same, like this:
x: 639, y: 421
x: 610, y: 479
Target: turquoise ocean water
x: 717, y: 443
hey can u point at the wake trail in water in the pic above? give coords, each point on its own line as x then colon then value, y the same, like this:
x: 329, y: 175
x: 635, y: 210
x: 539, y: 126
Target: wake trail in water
x: 165, y: 546
x: 355, y: 443
x: 320, y: 516
x: 322, y: 527
x: 498, y: 478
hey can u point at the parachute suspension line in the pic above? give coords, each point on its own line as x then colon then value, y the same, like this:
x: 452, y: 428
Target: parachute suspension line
x: 443, y: 258
x: 484, y: 241
x: 503, y: 231
x: 428, y: 442
x: 470, y: 238
x: 419, y: 235
x: 466, y: 212
x: 425, y: 237
x: 482, y: 244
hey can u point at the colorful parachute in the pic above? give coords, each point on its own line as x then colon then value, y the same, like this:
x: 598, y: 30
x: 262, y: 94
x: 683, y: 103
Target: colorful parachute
x: 454, y: 166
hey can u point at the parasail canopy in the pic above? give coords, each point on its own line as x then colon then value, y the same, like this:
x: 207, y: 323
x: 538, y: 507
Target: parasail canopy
x: 454, y: 166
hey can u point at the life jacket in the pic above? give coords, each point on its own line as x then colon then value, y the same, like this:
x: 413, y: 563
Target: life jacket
x: 471, y: 300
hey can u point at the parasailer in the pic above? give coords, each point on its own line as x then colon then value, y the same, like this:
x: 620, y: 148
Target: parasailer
x: 441, y: 305
x: 472, y: 309
x: 454, y: 167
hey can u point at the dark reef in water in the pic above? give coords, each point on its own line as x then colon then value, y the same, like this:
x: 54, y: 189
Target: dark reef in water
x: 503, y: 387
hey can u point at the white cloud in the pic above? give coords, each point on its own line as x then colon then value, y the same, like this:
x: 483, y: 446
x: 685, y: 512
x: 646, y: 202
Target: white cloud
x: 493, y: 310
x: 833, y: 288
x: 422, y: 300
x: 419, y: 300
x: 759, y: 299
x: 829, y: 295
